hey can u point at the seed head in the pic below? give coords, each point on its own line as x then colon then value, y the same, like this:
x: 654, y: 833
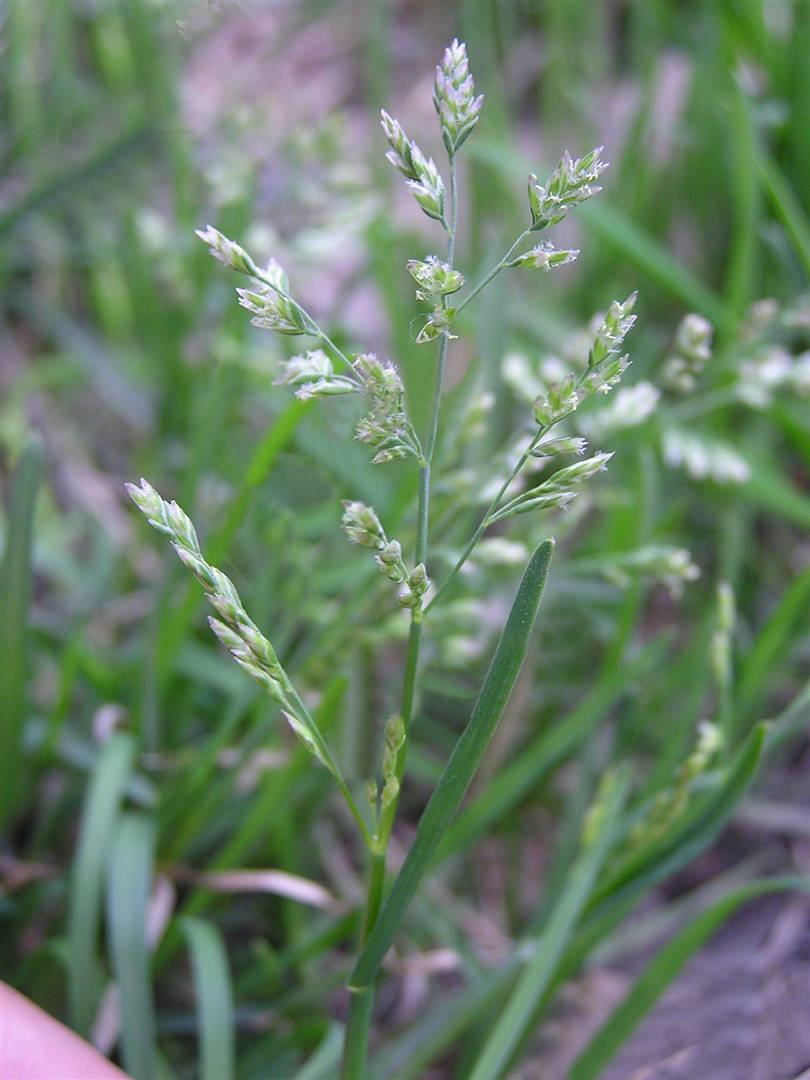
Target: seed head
x: 401, y: 153
x: 428, y: 187
x: 544, y: 256
x: 361, y: 524
x: 272, y: 307
x: 580, y: 470
x: 434, y: 277
x: 631, y: 406
x: 226, y: 251
x: 313, y: 374
x: 571, y: 183
x: 454, y: 96
x: 560, y: 400
x: 562, y: 445
x: 691, y: 352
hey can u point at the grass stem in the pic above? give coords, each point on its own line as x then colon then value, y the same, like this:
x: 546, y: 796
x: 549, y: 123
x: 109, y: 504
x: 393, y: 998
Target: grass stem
x: 496, y: 269
x: 357, y: 1028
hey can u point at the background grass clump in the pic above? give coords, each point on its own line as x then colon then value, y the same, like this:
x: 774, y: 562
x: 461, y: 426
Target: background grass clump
x: 148, y: 783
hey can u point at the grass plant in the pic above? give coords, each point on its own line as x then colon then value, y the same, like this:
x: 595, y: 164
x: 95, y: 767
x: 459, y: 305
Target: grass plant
x: 209, y: 876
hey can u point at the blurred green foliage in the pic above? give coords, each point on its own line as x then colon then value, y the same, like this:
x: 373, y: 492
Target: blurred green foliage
x: 121, y: 131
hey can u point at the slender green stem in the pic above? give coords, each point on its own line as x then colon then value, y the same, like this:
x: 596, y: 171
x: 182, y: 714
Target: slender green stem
x: 326, y: 753
x: 422, y: 518
x: 485, y: 520
x: 496, y: 269
x: 357, y: 1025
x: 409, y: 675
x: 422, y: 525
x: 451, y: 232
x: 482, y: 526
x: 358, y: 817
x: 374, y: 895
x: 422, y: 511
x: 361, y: 1002
x: 441, y: 359
x: 326, y: 340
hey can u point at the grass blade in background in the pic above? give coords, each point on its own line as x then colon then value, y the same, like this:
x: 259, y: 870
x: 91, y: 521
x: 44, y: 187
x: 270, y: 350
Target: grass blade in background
x: 519, y: 776
x: 769, y: 489
x: 62, y: 184
x: 786, y: 205
x: 407, y: 1056
x: 214, y: 993
x: 15, y: 593
x: 461, y: 767
x: 656, y: 976
x: 325, y: 1062
x: 773, y: 641
x: 129, y: 879
x: 515, y: 1020
x: 664, y: 855
x: 790, y: 721
x: 104, y: 796
x: 745, y: 202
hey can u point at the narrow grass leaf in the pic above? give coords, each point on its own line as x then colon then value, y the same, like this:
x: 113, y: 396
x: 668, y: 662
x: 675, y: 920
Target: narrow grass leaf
x: 91, y: 354
x: 657, y: 975
x: 323, y: 1065
x: 641, y: 249
x: 785, y: 203
x: 15, y: 595
x: 81, y: 753
x: 407, y: 1056
x: 769, y: 489
x: 790, y: 721
x: 129, y: 879
x: 544, y: 752
x: 22, y: 31
x: 515, y: 1020
x: 214, y: 993
x: 606, y: 911
x: 469, y: 749
x: 772, y: 642
x: 745, y: 201
x: 62, y: 183
x: 104, y: 796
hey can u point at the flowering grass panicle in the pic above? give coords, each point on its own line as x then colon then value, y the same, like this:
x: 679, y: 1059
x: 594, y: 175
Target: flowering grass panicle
x: 232, y: 625
x: 555, y: 394
x: 571, y: 183
x: 454, y: 96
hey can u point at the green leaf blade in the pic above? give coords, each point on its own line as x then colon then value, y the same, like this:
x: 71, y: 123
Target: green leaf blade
x: 128, y: 885
x: 458, y: 773
x: 104, y: 796
x: 214, y: 992
x: 663, y: 856
x: 516, y: 1018
x: 15, y: 595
